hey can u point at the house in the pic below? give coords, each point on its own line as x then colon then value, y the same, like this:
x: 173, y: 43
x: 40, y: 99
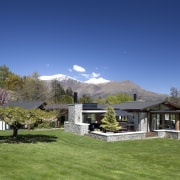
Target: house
x: 88, y: 116
x: 133, y: 116
x: 136, y: 115
x: 150, y: 116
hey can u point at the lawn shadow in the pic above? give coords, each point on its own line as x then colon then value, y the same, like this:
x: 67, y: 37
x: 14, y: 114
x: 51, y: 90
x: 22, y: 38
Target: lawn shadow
x: 28, y: 138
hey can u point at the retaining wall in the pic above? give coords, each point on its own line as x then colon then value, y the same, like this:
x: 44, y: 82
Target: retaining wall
x: 110, y: 137
x: 168, y: 134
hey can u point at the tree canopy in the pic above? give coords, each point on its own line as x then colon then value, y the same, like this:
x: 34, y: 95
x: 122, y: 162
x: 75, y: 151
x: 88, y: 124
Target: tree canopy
x: 18, y: 115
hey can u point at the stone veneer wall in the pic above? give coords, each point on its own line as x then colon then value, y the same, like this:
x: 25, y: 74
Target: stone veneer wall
x: 110, y: 137
x: 168, y: 134
x: 74, y: 123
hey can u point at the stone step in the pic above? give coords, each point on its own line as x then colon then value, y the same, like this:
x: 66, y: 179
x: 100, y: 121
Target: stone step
x: 151, y: 134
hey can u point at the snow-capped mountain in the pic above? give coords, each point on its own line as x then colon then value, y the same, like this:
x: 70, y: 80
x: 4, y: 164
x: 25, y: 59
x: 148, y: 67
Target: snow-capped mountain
x: 58, y: 77
x: 99, y: 87
x: 62, y: 77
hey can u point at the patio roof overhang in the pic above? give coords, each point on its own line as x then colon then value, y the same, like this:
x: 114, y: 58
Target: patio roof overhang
x: 94, y: 111
x: 166, y: 111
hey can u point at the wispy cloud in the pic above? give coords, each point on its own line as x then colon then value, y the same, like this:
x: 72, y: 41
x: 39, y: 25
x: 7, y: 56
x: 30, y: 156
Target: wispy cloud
x: 78, y: 68
x: 92, y: 75
x: 95, y: 75
x: 85, y: 75
x: 92, y: 78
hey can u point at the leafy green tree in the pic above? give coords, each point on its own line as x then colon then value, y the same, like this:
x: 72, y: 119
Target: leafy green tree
x: 66, y: 99
x: 109, y: 122
x: 14, y: 82
x: 85, y: 99
x: 33, y: 89
x: 15, y: 116
x: 114, y: 99
x: 4, y: 73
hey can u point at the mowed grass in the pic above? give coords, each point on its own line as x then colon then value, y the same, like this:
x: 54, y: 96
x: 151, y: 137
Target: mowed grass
x: 57, y: 155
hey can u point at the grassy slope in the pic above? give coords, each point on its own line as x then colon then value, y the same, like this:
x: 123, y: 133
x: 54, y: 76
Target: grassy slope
x: 73, y: 157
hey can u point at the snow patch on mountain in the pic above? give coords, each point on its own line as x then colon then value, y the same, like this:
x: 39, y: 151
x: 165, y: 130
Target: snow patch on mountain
x: 97, y: 81
x: 58, y: 77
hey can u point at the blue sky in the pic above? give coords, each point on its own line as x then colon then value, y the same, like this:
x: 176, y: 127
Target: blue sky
x: 136, y: 40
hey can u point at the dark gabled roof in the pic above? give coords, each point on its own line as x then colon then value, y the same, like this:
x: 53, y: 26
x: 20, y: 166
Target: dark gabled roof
x: 166, y: 111
x: 25, y: 104
x: 56, y: 106
x: 101, y: 106
x: 136, y: 105
x: 122, y: 113
x: 93, y: 106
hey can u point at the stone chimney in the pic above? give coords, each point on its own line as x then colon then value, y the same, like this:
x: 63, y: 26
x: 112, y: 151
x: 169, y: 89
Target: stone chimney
x: 75, y: 97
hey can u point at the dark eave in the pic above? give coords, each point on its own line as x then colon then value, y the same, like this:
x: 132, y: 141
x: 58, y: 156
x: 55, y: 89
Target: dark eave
x: 136, y: 105
x: 56, y: 106
x: 26, y: 104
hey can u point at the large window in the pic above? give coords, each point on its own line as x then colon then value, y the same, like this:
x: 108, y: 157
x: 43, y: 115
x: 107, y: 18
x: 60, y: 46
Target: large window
x: 156, y: 122
x: 89, y: 118
x: 169, y: 122
x: 123, y: 118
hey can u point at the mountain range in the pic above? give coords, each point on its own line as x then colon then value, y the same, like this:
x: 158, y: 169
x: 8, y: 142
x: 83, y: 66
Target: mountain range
x: 104, y: 88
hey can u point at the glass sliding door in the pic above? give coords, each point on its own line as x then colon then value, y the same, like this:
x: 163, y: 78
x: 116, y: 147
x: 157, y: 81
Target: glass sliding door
x: 155, y: 121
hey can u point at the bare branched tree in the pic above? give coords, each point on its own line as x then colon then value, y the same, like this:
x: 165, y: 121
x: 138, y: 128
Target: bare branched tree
x: 4, y: 96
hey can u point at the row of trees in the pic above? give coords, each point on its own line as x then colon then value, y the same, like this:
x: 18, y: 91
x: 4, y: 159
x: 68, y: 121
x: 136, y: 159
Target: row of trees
x: 30, y: 88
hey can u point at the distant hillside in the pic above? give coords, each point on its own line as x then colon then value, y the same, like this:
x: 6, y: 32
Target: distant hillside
x: 104, y: 89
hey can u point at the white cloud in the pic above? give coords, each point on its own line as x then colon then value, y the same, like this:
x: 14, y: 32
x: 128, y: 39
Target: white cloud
x: 93, y: 78
x: 95, y: 75
x: 70, y: 70
x: 97, y: 80
x: 85, y: 75
x: 78, y: 68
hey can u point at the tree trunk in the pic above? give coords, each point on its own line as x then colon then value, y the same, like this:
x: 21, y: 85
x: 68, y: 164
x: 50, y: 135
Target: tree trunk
x: 15, y: 129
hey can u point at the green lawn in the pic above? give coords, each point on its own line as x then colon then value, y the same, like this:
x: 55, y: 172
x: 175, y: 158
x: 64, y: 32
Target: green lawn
x: 56, y: 155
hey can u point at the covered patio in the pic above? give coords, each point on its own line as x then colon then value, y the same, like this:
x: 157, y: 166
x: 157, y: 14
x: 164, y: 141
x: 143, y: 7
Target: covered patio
x: 164, y: 119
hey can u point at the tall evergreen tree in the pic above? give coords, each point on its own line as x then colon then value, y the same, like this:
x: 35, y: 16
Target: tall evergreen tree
x: 109, y: 122
x: 59, y: 95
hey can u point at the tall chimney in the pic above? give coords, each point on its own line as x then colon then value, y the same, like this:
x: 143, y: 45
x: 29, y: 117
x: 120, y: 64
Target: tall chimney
x: 75, y: 98
x: 135, y: 97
